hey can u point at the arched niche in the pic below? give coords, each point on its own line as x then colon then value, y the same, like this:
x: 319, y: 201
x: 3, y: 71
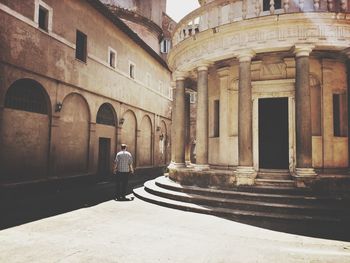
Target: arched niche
x: 163, y: 143
x: 128, y: 132
x: 145, y: 146
x: 72, y: 146
x: 25, y: 132
x: 106, y: 115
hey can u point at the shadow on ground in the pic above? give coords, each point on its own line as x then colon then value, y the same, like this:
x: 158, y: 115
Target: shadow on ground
x: 24, y: 205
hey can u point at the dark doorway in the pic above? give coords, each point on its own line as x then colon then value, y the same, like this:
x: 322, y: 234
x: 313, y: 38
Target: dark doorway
x: 273, y: 133
x: 104, y: 150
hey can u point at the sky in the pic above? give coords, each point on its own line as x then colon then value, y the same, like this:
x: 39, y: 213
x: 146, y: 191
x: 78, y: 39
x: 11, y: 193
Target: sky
x: 177, y: 9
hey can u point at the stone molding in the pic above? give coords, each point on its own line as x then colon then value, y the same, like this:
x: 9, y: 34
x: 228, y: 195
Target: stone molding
x: 303, y: 50
x: 329, y: 33
x: 174, y: 165
x: 179, y: 75
x: 223, y: 72
x: 245, y: 55
x: 245, y: 175
x: 203, y: 67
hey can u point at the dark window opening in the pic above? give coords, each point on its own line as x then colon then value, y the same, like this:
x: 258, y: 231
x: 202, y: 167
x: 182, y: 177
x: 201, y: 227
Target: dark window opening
x: 43, y: 18
x: 26, y: 95
x: 132, y: 71
x: 112, y: 59
x: 81, y: 46
x: 266, y: 5
x: 216, y: 118
x: 278, y: 4
x: 339, y: 115
x: 105, y: 115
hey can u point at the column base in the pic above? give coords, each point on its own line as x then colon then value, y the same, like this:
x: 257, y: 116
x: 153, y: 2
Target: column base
x: 201, y: 167
x: 304, y: 176
x: 174, y: 165
x: 245, y: 175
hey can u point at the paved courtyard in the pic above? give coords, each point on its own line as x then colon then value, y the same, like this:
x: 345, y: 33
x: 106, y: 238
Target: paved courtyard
x: 137, y: 231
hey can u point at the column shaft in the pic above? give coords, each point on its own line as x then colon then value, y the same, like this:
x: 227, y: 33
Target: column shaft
x: 202, y: 118
x: 303, y: 114
x: 178, y: 125
x: 245, y: 149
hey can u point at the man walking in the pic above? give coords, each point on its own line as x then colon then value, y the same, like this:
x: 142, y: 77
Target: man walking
x: 122, y: 169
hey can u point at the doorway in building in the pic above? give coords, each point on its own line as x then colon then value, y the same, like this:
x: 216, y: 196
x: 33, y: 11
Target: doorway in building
x: 104, y: 150
x: 273, y: 133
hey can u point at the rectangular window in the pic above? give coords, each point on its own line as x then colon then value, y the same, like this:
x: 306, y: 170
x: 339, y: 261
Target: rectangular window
x: 81, y: 46
x: 43, y: 18
x: 165, y: 46
x: 216, y: 118
x: 43, y: 15
x: 192, y: 97
x: 112, y: 57
x: 339, y: 115
x: 132, y: 70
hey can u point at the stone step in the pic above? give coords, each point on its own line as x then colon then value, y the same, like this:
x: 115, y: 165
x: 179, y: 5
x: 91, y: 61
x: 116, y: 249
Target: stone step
x: 247, y: 205
x: 274, y: 182
x: 274, y: 174
x: 259, y: 217
x: 242, y: 194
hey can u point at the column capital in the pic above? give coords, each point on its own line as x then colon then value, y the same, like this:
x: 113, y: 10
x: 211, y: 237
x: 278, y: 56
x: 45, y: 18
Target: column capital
x: 180, y: 75
x: 245, y: 55
x: 203, y: 66
x: 223, y: 72
x: 346, y: 52
x: 303, y: 50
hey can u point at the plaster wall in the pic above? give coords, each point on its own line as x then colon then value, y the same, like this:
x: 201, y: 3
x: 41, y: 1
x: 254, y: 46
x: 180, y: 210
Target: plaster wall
x: 334, y: 82
x: 72, y: 149
x: 24, y: 145
x: 40, y: 52
x: 145, y: 147
x: 148, y: 36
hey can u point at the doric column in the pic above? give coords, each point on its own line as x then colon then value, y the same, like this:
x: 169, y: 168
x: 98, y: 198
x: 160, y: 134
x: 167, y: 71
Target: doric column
x: 224, y: 114
x: 303, y: 115
x: 202, y: 118
x: 178, y: 123
x: 245, y: 171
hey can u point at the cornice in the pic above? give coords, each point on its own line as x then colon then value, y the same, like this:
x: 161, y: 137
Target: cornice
x: 263, y: 34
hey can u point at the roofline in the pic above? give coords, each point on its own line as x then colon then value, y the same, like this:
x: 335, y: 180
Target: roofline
x: 100, y: 7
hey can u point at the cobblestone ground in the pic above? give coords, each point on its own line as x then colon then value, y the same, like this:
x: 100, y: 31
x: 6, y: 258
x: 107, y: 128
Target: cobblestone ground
x: 137, y: 231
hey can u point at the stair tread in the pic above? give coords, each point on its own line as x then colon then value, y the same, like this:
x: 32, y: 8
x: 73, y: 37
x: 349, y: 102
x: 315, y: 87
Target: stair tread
x: 152, y: 186
x: 164, y: 181
x: 143, y: 194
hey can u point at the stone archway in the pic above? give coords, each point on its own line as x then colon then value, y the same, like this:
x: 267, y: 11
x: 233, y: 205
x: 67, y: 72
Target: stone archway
x: 128, y: 132
x: 72, y: 148
x: 106, y: 123
x: 25, y: 132
x: 145, y: 148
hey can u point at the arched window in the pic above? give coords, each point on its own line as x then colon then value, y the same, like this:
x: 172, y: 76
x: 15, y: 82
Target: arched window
x: 26, y: 95
x: 105, y: 115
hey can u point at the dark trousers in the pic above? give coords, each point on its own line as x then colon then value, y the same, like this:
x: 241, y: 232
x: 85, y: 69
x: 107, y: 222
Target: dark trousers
x: 121, y: 184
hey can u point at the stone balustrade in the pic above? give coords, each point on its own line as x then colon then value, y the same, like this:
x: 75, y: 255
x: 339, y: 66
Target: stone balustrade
x: 221, y: 12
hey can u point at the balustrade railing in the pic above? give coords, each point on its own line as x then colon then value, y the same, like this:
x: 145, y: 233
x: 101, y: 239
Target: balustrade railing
x: 221, y: 12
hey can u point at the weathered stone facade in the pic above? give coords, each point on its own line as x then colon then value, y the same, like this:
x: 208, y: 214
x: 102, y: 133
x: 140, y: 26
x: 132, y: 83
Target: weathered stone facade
x: 83, y: 110
x: 246, y: 59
